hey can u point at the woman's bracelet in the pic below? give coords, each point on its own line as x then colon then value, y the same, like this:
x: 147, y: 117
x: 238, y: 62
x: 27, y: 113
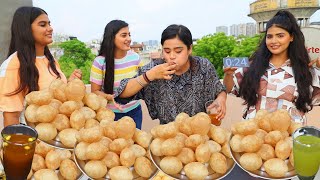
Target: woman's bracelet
x: 145, y: 77
x: 139, y: 82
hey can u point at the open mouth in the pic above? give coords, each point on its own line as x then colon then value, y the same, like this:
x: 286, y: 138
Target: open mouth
x: 127, y: 44
x: 274, y: 47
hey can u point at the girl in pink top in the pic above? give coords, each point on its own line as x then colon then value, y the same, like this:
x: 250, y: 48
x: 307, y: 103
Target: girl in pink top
x: 30, y: 65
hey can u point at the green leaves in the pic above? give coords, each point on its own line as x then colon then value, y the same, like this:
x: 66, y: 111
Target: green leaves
x: 246, y: 46
x: 217, y: 46
x: 76, y: 56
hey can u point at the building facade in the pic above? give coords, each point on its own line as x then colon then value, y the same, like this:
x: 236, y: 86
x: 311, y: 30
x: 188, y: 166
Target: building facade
x: 7, y: 9
x: 263, y: 10
x: 251, y: 29
x: 223, y: 29
x: 233, y: 30
x: 247, y: 29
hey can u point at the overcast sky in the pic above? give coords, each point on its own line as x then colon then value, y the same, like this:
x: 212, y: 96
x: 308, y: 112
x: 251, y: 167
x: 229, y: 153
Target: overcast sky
x: 147, y: 19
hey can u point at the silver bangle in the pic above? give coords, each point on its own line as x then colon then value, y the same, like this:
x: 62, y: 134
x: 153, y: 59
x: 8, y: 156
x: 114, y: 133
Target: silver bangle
x: 139, y: 81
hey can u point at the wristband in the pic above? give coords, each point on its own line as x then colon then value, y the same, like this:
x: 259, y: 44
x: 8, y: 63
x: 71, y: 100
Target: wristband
x: 145, y: 77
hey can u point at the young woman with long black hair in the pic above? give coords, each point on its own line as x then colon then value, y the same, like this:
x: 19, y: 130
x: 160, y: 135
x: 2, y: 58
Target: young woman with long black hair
x: 281, y: 75
x: 30, y: 66
x: 115, y: 62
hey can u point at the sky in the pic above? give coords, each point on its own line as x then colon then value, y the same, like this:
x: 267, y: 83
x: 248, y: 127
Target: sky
x: 86, y: 19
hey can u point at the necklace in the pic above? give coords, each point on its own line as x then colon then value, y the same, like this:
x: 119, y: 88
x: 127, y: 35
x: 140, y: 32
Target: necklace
x: 40, y: 57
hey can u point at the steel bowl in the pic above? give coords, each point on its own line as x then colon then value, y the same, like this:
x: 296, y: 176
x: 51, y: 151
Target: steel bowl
x: 182, y: 175
x: 56, y: 143
x: 81, y: 164
x: 261, y: 173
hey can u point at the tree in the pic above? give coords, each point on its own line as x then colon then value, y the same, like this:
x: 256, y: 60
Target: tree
x: 215, y: 48
x: 246, y: 46
x: 76, y: 56
x: 218, y: 46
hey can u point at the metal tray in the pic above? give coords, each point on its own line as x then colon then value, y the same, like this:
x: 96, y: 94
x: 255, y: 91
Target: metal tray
x: 261, y: 173
x: 182, y: 175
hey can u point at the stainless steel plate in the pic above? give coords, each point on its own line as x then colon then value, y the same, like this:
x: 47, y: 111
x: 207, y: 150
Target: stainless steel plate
x: 56, y: 143
x: 261, y: 173
x: 182, y: 175
x: 58, y: 172
x: 81, y: 164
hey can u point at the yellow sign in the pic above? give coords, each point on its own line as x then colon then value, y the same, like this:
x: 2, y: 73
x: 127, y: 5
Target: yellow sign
x: 263, y: 5
x: 302, y: 3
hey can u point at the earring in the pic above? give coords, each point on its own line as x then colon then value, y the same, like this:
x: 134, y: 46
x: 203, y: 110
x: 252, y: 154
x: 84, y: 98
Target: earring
x: 161, y: 55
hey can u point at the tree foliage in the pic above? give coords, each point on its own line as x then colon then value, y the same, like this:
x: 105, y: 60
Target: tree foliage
x: 76, y: 56
x: 246, y: 46
x: 216, y: 47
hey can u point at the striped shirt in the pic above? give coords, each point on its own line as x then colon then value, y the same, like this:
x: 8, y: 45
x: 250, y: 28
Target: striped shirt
x: 126, y: 67
x: 9, y: 81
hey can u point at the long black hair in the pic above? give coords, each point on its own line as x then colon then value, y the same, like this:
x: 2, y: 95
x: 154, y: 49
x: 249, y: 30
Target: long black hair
x: 299, y: 60
x: 180, y: 31
x: 22, y: 42
x: 107, y: 50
